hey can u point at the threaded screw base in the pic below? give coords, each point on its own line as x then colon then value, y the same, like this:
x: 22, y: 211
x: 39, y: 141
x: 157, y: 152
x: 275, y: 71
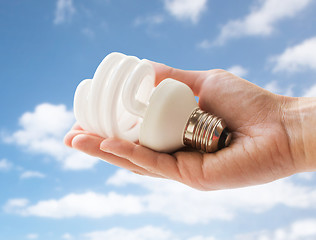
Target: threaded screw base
x: 206, y: 132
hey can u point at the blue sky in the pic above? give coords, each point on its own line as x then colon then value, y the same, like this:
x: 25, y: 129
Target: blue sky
x: 47, y: 47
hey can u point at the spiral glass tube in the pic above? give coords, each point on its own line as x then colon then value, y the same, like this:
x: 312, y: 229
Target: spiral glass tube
x: 115, y: 100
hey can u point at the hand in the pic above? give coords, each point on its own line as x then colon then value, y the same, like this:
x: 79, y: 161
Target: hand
x: 261, y: 150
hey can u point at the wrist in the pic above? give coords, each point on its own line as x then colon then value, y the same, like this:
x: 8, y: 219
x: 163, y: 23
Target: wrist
x: 299, y: 119
x: 307, y: 110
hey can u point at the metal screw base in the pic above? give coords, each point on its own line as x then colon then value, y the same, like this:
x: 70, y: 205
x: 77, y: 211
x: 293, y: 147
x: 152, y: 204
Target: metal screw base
x: 206, y: 132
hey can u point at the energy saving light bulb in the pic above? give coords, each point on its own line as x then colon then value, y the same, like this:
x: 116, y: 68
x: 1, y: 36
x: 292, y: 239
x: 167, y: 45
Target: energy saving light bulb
x: 122, y: 101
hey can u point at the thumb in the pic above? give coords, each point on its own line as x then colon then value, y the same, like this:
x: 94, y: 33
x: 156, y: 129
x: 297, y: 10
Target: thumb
x: 194, y: 79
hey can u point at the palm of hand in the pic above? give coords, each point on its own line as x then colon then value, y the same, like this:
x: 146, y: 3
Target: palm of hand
x: 259, y: 151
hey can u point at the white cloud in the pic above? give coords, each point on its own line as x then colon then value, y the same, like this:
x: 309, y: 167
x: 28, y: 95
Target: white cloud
x: 262, y: 19
x: 186, y: 9
x: 303, y: 229
x: 15, y: 204
x: 272, y: 87
x: 75, y: 160
x: 48, y: 121
x: 64, y: 11
x: 90, y: 204
x: 308, y: 176
x: 32, y: 174
x: 238, y: 70
x: 297, y: 58
x: 123, y: 177
x: 144, y: 233
x: 201, y: 238
x: 275, y: 88
x: 32, y: 236
x: 5, y: 165
x: 42, y: 132
x: 311, y: 92
x: 67, y: 236
x: 205, y: 44
x: 165, y: 198
x: 300, y: 230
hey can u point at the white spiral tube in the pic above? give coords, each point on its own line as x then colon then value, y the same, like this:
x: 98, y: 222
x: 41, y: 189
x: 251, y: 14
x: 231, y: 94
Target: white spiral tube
x: 114, y: 102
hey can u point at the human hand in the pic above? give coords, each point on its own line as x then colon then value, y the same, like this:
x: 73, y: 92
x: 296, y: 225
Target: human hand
x: 261, y: 151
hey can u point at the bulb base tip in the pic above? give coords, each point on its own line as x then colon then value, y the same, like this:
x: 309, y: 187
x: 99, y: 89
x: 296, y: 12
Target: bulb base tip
x: 224, y: 139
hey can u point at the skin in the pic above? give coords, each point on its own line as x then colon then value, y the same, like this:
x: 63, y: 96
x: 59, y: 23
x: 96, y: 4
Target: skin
x: 272, y: 136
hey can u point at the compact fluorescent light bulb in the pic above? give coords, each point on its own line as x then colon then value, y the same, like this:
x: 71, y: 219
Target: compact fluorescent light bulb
x: 122, y: 101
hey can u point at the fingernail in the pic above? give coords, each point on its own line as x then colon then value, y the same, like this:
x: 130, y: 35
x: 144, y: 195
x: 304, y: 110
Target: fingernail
x: 75, y: 143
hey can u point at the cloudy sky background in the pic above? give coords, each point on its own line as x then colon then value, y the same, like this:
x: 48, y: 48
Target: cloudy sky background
x: 47, y: 47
